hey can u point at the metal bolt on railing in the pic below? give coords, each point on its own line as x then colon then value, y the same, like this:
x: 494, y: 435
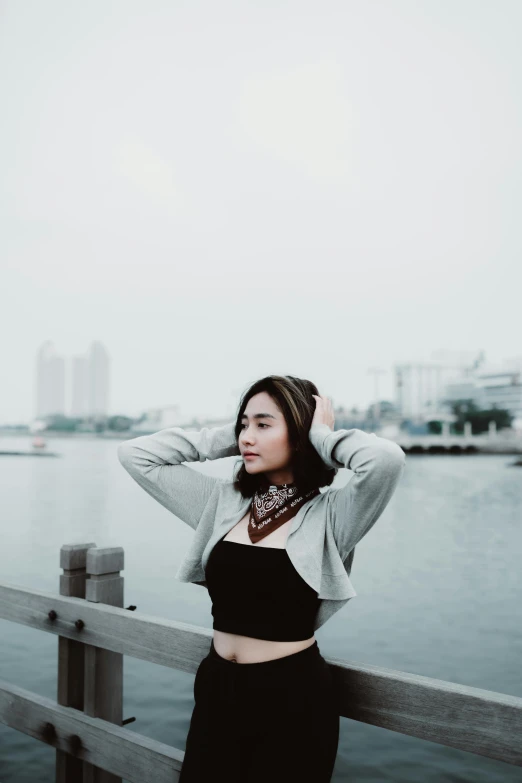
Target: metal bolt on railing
x: 48, y: 732
x: 75, y: 743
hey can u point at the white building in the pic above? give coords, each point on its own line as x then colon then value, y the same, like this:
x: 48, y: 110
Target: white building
x: 491, y: 386
x: 420, y: 387
x: 79, y: 386
x: 90, y: 382
x: 98, y: 363
x: 50, y: 381
x: 86, y: 375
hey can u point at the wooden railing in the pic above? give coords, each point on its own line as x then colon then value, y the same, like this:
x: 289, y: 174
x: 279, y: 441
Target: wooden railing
x: 94, y: 631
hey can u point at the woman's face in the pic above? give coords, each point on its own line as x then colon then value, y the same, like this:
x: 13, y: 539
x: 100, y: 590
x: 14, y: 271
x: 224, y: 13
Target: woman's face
x: 264, y: 432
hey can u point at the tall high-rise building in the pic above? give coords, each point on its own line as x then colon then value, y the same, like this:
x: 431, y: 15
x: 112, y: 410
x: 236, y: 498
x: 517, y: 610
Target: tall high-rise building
x: 89, y: 382
x: 97, y: 379
x: 79, y: 386
x: 50, y: 381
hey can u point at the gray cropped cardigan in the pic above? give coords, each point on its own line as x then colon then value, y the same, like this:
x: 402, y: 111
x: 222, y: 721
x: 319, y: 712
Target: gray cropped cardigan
x: 324, y: 532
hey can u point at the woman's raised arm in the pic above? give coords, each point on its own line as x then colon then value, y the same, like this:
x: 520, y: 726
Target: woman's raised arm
x: 378, y: 464
x: 155, y: 463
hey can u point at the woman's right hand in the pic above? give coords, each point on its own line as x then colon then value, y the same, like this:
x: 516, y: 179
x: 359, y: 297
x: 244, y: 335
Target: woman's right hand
x: 323, y: 411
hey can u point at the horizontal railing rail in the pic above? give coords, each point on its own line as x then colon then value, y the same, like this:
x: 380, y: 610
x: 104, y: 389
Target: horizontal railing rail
x: 459, y: 716
x: 154, y: 639
x: 112, y: 748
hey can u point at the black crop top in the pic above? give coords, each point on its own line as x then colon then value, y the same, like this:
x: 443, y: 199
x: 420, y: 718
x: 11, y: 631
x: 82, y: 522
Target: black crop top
x: 256, y: 591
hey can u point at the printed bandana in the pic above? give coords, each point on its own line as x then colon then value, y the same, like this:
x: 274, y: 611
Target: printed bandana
x: 271, y: 509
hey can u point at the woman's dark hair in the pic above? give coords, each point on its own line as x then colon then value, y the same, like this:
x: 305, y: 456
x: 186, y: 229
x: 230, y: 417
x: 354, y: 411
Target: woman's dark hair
x: 293, y: 397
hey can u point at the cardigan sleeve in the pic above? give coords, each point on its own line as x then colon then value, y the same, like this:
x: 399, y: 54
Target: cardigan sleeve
x: 155, y: 463
x: 378, y: 464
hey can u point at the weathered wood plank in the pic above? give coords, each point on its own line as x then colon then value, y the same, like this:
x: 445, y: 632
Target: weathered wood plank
x: 131, y: 756
x: 471, y: 719
x: 71, y: 654
x: 165, y: 642
x: 103, y: 696
x: 459, y: 716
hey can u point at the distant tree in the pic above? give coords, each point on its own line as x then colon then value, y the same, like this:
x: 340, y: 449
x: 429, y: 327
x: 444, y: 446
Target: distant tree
x: 100, y: 423
x: 119, y: 423
x: 467, y: 410
x: 387, y: 407
x: 57, y: 422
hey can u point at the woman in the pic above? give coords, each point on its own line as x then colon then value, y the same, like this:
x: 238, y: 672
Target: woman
x: 275, y: 555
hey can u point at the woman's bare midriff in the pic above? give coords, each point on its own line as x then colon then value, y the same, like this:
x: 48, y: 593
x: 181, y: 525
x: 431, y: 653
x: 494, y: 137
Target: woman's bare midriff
x: 246, y: 649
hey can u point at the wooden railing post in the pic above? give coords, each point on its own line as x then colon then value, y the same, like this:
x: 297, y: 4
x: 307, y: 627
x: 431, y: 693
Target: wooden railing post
x: 103, y: 695
x: 71, y: 655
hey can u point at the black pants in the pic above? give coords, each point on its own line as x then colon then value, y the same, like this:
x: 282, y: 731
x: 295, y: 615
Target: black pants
x: 275, y: 721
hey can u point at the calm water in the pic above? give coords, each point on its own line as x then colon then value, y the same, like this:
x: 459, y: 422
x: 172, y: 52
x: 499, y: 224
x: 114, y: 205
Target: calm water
x: 438, y: 582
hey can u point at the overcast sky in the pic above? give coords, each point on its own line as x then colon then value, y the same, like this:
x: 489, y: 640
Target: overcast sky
x: 223, y: 190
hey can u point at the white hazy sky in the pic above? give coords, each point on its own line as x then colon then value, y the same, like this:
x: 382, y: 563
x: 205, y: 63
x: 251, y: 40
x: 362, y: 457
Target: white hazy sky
x: 223, y: 190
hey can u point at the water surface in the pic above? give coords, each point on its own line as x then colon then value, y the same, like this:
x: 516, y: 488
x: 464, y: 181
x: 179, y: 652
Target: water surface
x: 437, y: 577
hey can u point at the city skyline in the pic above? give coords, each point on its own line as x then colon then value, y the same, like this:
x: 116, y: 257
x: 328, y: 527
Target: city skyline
x: 78, y: 385
x: 331, y: 198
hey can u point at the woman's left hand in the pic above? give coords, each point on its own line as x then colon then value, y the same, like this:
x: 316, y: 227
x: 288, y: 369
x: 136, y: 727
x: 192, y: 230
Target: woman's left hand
x: 323, y: 411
